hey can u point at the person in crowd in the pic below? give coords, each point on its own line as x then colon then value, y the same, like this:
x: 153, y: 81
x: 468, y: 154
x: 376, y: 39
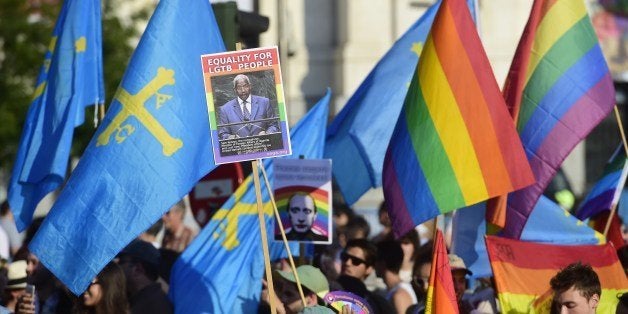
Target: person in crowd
x: 302, y: 213
x: 483, y: 299
x: 7, y: 223
x: 421, y: 276
x: 358, y: 261
x: 384, y: 220
x: 177, y: 235
x: 106, y: 293
x: 576, y: 289
x: 140, y: 263
x: 150, y: 235
x: 246, y: 115
x: 51, y: 295
x: 358, y: 258
x: 313, y: 283
x: 16, y: 285
x: 409, y: 243
x: 459, y: 272
x: 356, y: 228
x: 389, y: 260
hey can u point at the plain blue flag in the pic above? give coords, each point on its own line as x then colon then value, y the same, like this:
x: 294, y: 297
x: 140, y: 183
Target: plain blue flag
x: 548, y: 223
x: 70, y: 79
x: 222, y: 269
x: 358, y: 137
x: 150, y: 150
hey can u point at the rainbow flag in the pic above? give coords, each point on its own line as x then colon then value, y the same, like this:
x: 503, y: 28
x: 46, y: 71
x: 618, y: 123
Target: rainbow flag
x: 523, y: 271
x: 605, y: 193
x: 558, y: 89
x: 441, y: 296
x: 454, y: 143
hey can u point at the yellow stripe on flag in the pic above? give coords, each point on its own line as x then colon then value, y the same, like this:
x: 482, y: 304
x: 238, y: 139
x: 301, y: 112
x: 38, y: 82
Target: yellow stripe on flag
x: 561, y: 17
x: 450, y: 126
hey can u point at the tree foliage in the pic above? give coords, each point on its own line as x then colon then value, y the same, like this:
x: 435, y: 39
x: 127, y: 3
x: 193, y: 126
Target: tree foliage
x: 26, y: 27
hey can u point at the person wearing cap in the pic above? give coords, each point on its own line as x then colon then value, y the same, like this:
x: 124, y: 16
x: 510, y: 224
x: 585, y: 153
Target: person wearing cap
x: 315, y: 287
x: 459, y: 271
x: 140, y: 263
x: 16, y: 285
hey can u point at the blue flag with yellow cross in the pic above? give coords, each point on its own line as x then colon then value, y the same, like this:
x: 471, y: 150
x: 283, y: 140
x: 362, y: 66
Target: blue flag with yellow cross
x: 224, y: 265
x: 150, y: 150
x: 70, y: 79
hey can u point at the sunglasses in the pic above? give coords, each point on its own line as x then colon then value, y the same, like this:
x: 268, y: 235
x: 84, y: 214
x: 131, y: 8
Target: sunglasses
x: 356, y: 261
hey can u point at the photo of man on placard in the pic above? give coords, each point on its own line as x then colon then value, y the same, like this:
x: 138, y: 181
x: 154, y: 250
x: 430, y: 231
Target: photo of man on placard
x: 246, y: 115
x: 302, y: 214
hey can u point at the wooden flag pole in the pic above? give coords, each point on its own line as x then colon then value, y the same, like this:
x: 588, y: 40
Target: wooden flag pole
x: 621, y: 129
x: 623, y: 140
x: 283, y: 237
x: 262, y: 230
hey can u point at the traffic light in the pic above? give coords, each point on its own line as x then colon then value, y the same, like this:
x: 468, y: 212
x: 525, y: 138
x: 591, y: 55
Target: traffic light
x: 239, y: 26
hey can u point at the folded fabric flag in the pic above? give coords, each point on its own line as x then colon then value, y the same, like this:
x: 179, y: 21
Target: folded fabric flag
x: 558, y: 89
x: 454, y: 144
x: 150, y: 150
x: 523, y: 271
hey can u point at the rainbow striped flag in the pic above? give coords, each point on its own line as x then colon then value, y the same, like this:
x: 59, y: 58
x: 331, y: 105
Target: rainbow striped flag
x: 441, y: 296
x: 558, y: 89
x: 454, y: 143
x: 605, y: 193
x: 523, y: 271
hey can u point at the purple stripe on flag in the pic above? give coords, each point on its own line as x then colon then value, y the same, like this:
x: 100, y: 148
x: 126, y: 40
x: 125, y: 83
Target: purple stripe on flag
x: 585, y: 114
x: 397, y: 209
x: 596, y: 205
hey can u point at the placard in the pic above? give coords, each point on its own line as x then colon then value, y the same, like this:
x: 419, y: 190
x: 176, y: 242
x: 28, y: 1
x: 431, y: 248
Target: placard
x: 304, y: 199
x: 245, y: 103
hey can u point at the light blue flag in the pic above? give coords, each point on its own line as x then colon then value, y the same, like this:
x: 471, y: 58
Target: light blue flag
x: 150, y: 150
x: 548, y: 223
x: 222, y: 269
x: 358, y: 137
x: 70, y: 79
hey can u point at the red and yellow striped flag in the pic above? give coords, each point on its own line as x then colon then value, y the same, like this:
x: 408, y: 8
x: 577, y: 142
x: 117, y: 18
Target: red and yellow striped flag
x: 441, y: 296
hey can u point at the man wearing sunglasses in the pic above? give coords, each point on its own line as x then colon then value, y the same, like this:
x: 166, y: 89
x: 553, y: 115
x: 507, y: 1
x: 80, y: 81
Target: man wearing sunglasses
x: 358, y: 258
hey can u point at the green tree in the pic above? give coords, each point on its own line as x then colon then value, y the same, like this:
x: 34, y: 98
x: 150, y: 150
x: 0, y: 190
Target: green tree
x: 25, y: 31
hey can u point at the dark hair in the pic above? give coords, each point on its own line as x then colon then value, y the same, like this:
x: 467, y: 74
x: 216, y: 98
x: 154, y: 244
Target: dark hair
x: 113, y: 285
x: 369, y: 249
x: 582, y: 277
x: 391, y: 254
x: 4, y: 209
x: 412, y: 237
x: 355, y: 225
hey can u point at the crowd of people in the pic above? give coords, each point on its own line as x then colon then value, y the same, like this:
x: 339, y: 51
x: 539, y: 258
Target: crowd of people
x: 390, y: 275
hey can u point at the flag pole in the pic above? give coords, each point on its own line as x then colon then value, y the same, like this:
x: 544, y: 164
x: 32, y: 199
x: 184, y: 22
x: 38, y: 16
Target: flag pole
x: 623, y: 140
x: 262, y: 228
x: 283, y: 237
x: 621, y: 129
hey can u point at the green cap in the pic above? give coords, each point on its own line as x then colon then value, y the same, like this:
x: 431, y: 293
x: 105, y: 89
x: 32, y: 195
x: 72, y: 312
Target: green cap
x: 311, y: 278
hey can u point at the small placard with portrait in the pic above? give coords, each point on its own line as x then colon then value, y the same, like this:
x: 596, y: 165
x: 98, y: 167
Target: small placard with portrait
x: 303, y: 195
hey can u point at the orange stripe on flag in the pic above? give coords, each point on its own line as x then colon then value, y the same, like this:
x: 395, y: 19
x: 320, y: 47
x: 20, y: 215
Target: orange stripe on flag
x: 472, y: 103
x: 441, y: 296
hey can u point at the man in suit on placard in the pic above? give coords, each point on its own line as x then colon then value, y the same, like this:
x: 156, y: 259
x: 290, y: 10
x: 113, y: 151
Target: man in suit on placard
x: 246, y: 115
